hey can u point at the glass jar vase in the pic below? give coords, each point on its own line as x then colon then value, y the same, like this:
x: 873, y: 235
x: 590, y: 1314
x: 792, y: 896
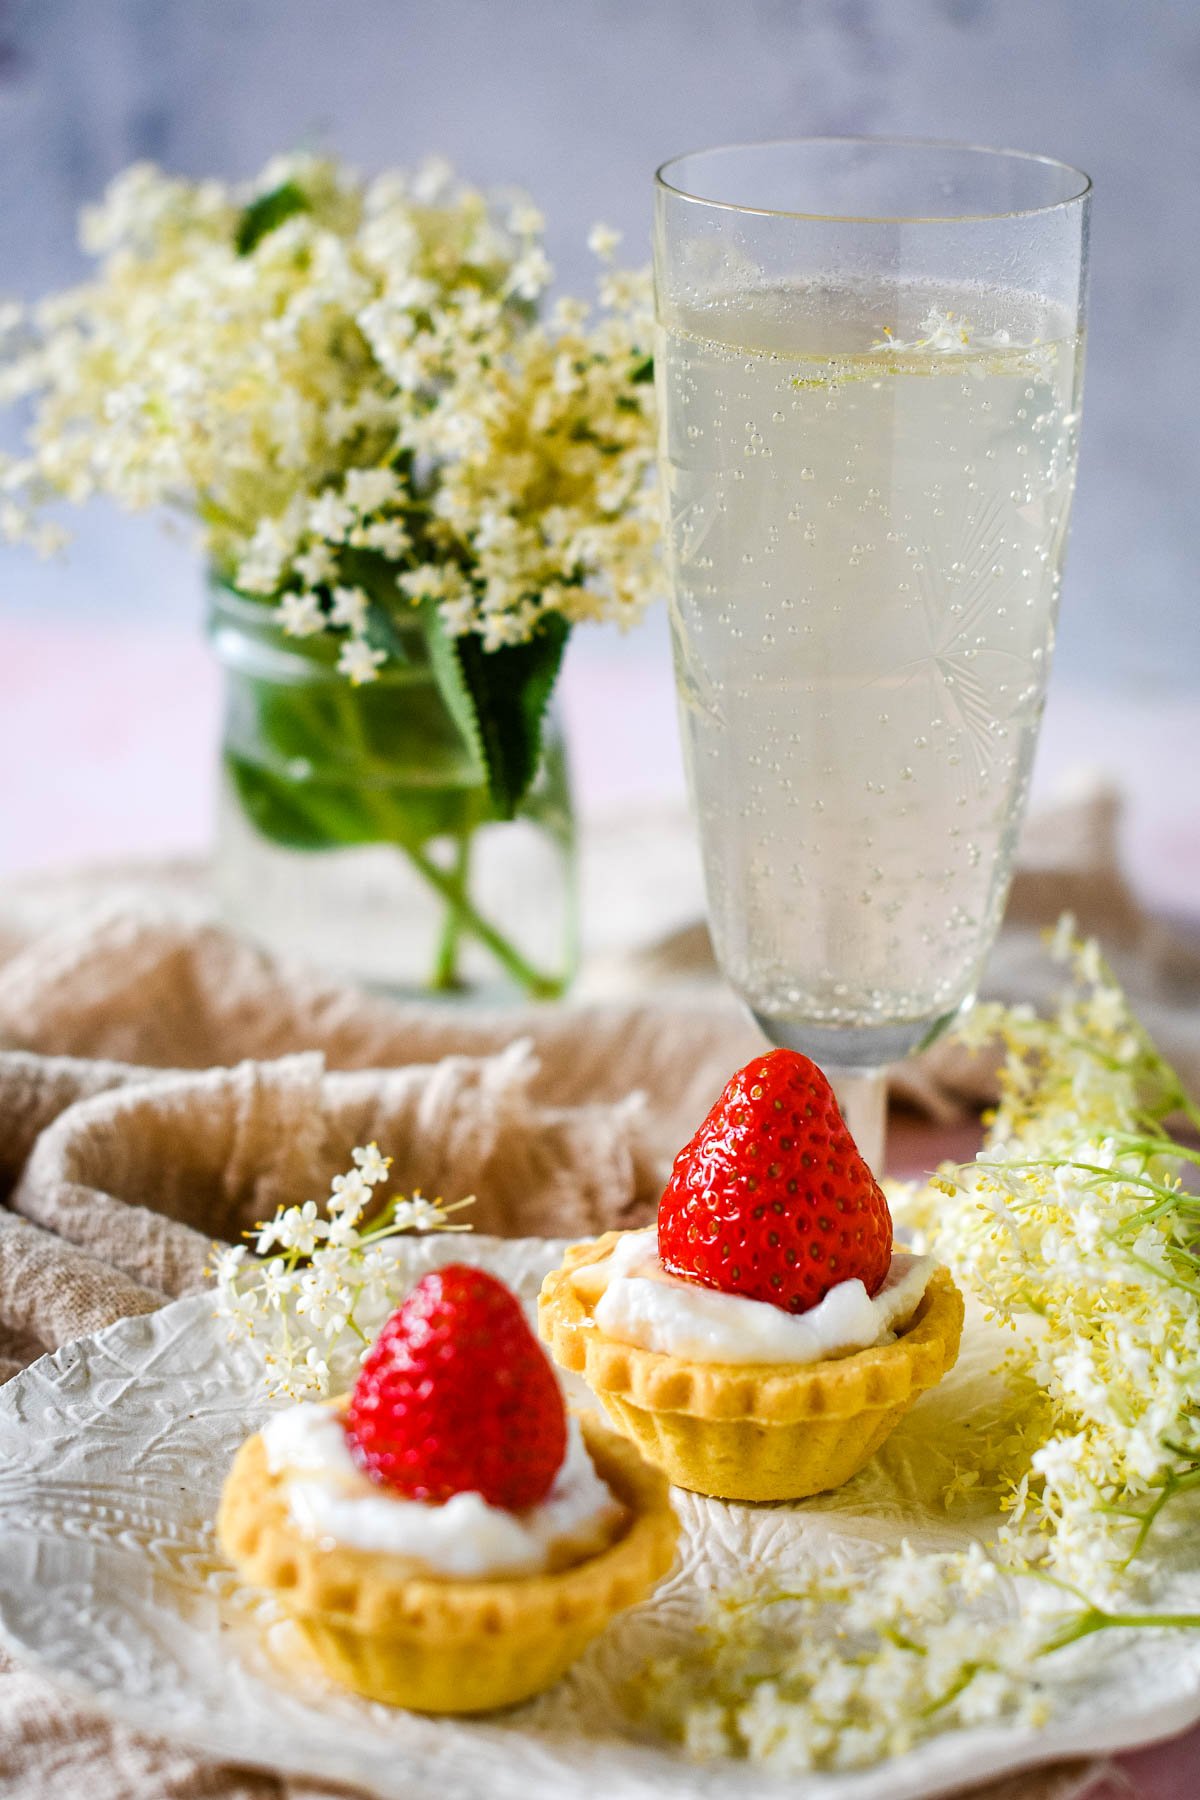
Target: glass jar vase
x: 355, y: 829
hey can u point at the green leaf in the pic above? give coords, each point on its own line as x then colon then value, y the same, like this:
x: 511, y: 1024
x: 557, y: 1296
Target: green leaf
x: 267, y: 213
x: 498, y: 699
x: 643, y: 371
x: 373, y: 573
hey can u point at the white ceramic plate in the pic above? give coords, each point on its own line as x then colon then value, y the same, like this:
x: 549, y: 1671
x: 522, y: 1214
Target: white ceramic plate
x: 112, y: 1454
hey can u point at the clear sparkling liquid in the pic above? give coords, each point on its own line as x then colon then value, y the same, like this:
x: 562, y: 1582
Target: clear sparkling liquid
x: 866, y: 547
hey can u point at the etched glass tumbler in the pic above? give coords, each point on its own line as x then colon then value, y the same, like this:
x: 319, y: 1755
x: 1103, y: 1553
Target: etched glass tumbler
x: 868, y: 363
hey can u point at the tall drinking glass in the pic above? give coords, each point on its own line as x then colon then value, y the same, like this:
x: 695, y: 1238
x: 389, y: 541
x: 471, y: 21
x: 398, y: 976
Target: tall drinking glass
x: 869, y: 364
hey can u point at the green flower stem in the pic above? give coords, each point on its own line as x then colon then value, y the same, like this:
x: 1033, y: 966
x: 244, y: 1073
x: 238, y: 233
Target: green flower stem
x: 1173, y: 1484
x: 1093, y: 1619
x: 959, y: 1685
x: 339, y: 825
x: 461, y: 913
x: 535, y: 984
x: 444, y: 976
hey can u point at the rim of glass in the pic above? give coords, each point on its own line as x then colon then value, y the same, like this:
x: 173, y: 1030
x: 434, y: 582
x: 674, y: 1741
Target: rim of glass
x: 662, y: 173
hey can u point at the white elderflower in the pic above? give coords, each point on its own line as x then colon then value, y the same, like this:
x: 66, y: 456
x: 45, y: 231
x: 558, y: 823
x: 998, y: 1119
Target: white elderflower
x: 458, y: 616
x: 301, y: 615
x: 319, y: 1300
x: 503, y: 628
x: 323, y: 1297
x: 298, y: 1228
x: 262, y: 567
x: 349, y: 608
x: 603, y: 241
x: 369, y: 490
x: 350, y: 1193
x: 276, y: 1283
x: 1096, y: 1244
x: 388, y: 536
x: 286, y: 385
x: 525, y: 220
x: 418, y: 1214
x: 371, y: 1164
x: 531, y: 273
x: 834, y: 1669
x: 359, y: 661
x: 316, y: 566
x: 432, y: 180
x: 330, y: 517
x: 226, y: 1263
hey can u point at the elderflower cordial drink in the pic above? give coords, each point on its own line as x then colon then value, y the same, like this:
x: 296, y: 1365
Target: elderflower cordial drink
x: 868, y: 368
x: 869, y: 488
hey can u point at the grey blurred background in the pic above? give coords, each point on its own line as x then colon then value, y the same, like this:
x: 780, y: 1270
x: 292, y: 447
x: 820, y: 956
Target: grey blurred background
x: 579, y: 100
x: 109, y: 702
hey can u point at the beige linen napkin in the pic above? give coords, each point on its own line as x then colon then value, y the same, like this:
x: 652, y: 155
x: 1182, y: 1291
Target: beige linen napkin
x: 163, y: 1083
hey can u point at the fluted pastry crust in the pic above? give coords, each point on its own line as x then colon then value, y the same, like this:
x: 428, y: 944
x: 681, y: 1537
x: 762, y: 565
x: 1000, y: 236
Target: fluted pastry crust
x: 754, y: 1431
x: 437, y: 1644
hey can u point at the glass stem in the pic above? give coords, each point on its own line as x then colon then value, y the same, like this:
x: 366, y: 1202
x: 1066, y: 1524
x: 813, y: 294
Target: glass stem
x: 862, y: 1096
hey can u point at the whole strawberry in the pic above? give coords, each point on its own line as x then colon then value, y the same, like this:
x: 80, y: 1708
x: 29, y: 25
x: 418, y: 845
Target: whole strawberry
x: 771, y: 1199
x: 456, y: 1396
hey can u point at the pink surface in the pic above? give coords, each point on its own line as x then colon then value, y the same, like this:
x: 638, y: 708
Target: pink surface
x: 108, y: 737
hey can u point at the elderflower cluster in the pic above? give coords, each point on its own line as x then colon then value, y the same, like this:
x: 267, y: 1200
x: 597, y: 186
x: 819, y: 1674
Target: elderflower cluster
x: 837, y: 1669
x: 347, y: 383
x: 1074, y: 1224
x: 322, y: 1282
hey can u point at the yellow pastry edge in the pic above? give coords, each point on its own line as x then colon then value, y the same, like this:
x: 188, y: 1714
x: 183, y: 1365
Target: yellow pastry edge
x: 757, y: 1433
x: 441, y: 1645
x: 839, y: 1388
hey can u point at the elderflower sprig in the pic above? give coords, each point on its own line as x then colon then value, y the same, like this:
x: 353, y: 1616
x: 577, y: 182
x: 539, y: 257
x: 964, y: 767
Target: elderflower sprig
x: 317, y: 1302
x: 836, y: 1668
x: 1074, y: 1220
x: 346, y: 382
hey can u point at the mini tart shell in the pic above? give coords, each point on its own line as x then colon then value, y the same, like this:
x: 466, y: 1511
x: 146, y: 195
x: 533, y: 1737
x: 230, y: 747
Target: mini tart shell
x: 436, y: 1644
x: 751, y: 1431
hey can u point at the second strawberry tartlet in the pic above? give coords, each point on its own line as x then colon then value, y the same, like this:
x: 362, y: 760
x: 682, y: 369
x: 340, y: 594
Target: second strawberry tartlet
x: 445, y: 1538
x: 765, y: 1339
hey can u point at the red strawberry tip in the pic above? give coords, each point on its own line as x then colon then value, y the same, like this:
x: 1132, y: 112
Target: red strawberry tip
x: 457, y: 1396
x: 770, y: 1199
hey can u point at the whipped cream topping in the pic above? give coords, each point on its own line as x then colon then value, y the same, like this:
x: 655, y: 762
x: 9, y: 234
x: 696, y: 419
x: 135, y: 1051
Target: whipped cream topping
x: 645, y: 1306
x: 329, y: 1497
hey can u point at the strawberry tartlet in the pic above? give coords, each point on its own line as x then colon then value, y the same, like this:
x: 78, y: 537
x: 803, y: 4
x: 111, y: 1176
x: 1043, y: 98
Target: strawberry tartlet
x: 445, y: 1538
x: 767, y: 1337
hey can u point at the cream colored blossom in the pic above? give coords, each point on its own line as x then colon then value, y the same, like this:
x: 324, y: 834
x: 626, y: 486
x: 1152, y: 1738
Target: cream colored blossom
x: 349, y: 608
x: 367, y: 380
x: 316, y: 1303
x: 358, y: 661
x: 1074, y: 1221
x: 835, y: 1668
x: 301, y: 615
x: 603, y: 242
